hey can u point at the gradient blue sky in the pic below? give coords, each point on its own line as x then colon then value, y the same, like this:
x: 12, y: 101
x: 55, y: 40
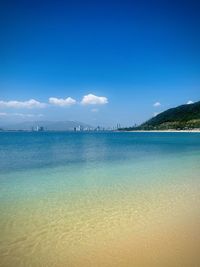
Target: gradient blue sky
x: 134, y: 53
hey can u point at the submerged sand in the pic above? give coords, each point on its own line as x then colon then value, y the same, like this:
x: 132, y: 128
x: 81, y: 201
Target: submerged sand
x: 154, y: 227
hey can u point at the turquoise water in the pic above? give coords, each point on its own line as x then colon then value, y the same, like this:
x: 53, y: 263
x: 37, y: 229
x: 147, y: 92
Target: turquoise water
x: 64, y: 197
x: 20, y: 151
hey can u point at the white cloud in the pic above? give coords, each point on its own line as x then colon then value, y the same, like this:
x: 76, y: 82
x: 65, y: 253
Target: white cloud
x: 2, y: 114
x: 62, y: 102
x: 32, y: 103
x: 22, y: 115
x: 190, y: 102
x: 157, y: 104
x: 91, y: 99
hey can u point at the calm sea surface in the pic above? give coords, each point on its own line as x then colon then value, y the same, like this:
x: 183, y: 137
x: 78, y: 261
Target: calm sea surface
x: 99, y: 199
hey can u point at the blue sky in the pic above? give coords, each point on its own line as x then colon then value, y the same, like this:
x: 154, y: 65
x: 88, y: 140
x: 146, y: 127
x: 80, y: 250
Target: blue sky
x: 131, y: 54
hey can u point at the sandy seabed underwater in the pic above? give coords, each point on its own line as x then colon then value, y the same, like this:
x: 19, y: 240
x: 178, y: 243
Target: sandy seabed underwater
x: 100, y: 199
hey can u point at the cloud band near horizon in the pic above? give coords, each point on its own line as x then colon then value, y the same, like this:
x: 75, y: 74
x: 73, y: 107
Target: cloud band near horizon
x: 89, y: 99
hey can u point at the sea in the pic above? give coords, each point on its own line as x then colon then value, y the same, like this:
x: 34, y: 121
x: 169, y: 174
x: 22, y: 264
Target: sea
x: 99, y: 199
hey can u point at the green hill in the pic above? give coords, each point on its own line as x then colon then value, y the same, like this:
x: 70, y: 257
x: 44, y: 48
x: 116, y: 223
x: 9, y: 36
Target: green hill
x: 182, y: 117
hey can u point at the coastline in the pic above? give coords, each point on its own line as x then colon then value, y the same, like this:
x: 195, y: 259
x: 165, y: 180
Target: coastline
x: 163, y: 131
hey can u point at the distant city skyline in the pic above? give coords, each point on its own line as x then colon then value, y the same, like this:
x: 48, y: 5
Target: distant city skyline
x: 101, y: 63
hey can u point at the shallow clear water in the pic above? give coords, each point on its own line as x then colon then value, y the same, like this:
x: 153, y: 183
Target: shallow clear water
x: 99, y: 199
